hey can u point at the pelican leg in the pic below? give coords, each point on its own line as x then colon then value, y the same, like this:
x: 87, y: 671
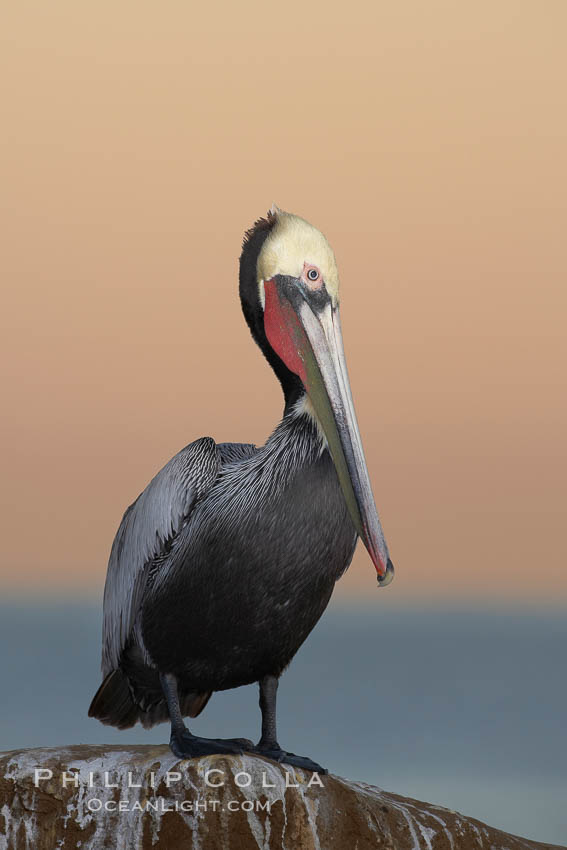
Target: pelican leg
x: 268, y: 744
x: 182, y: 742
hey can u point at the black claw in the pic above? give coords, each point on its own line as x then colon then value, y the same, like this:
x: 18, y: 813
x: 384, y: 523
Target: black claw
x: 281, y: 756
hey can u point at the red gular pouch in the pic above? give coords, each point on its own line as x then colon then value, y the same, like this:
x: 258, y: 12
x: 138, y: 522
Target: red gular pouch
x: 284, y: 331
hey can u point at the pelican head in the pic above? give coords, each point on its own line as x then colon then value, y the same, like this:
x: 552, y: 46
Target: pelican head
x: 289, y: 286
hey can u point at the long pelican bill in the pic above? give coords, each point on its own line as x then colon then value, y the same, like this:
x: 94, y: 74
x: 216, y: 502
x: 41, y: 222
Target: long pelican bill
x: 303, y: 326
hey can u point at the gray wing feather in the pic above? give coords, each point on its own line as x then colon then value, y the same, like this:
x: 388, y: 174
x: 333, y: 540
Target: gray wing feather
x: 146, y: 528
x: 234, y: 452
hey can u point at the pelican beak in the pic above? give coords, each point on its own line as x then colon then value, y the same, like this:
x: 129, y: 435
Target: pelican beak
x: 303, y: 327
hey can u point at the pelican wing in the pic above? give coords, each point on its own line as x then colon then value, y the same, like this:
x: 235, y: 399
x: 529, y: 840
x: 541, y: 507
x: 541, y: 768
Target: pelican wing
x: 235, y: 452
x: 145, y: 533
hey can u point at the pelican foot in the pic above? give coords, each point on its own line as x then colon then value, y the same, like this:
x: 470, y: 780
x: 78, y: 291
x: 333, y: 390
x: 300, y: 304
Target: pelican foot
x: 185, y: 745
x: 277, y: 754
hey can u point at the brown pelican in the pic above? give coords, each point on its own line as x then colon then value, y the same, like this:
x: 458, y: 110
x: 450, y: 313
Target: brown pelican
x: 225, y: 562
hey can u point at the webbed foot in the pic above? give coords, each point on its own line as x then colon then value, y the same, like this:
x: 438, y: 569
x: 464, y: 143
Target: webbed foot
x: 277, y: 754
x: 185, y: 745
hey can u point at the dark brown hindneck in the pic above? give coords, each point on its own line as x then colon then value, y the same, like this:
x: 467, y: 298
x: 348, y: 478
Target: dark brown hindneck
x: 254, y: 313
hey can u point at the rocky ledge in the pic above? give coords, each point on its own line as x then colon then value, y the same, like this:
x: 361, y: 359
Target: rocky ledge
x: 144, y: 797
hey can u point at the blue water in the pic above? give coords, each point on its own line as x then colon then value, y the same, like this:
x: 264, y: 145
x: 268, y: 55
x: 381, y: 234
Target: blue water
x: 465, y: 709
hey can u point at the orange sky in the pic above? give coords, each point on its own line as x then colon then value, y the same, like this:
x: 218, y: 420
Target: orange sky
x: 427, y: 140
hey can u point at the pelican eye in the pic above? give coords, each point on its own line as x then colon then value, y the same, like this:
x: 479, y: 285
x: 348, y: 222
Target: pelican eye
x: 312, y: 274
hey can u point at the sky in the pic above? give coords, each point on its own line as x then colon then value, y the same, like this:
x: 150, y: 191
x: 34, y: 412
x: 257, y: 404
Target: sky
x: 428, y: 141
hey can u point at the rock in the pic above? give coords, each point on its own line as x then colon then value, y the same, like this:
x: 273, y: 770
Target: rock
x: 144, y: 797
